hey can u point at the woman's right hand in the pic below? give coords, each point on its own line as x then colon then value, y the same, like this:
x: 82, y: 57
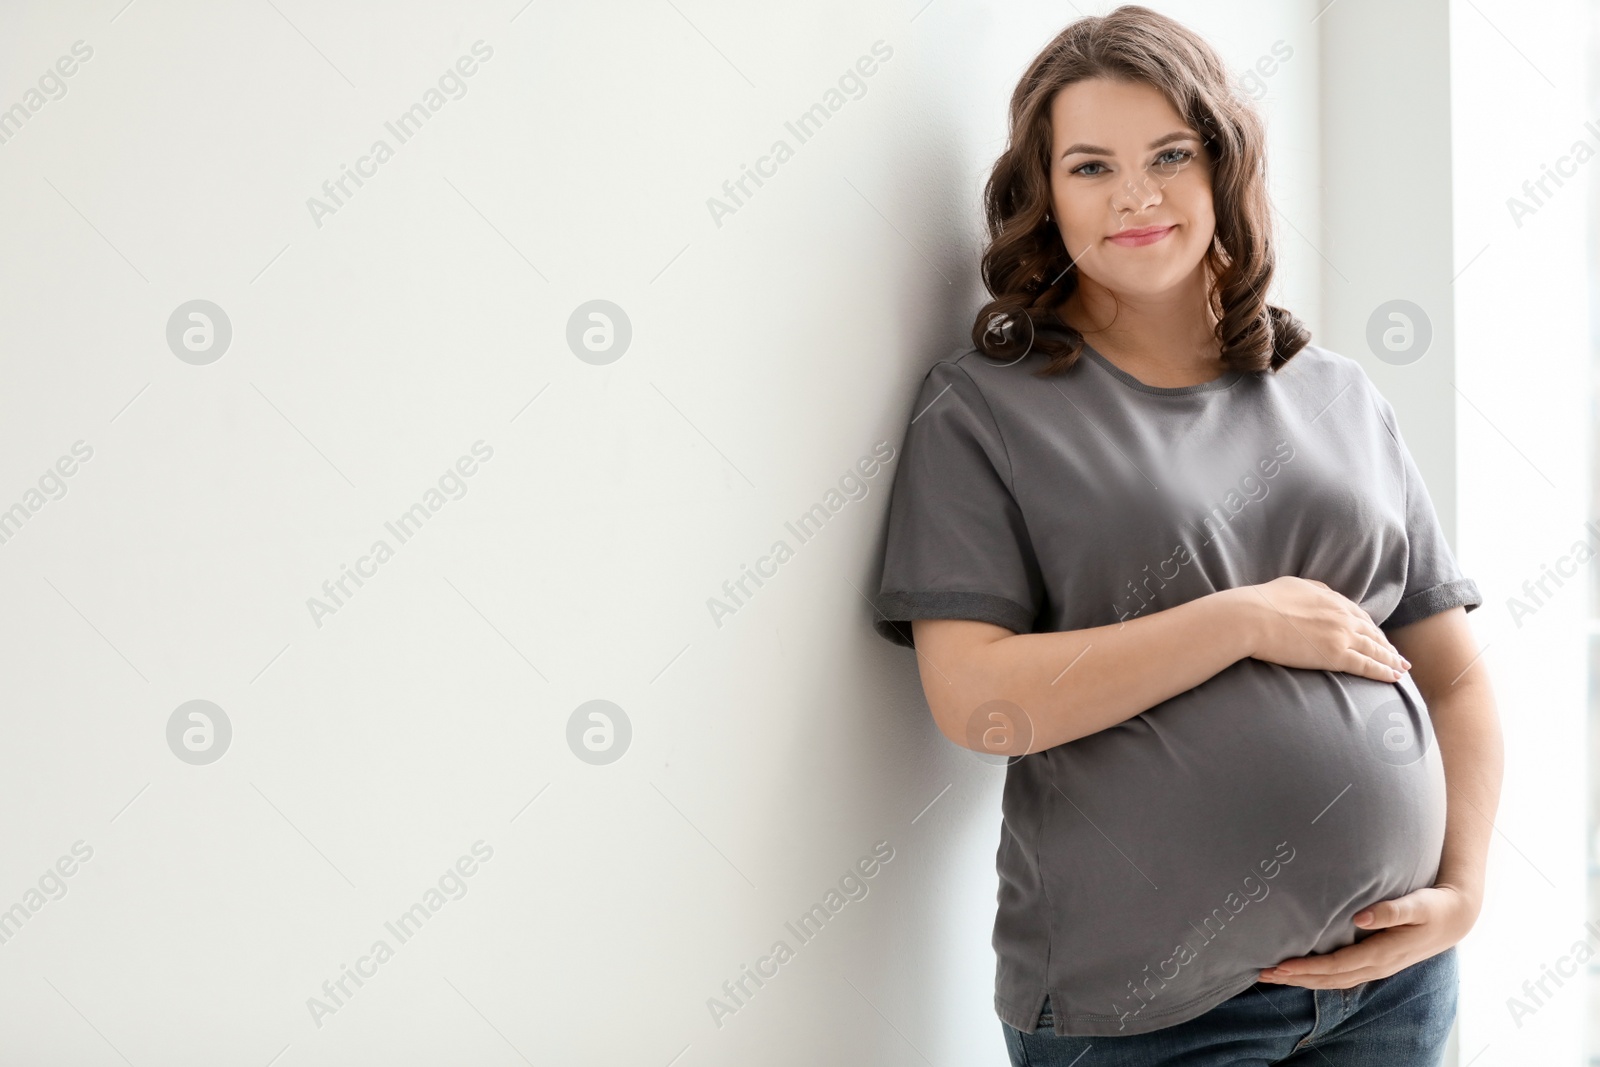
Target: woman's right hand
x: 1300, y: 622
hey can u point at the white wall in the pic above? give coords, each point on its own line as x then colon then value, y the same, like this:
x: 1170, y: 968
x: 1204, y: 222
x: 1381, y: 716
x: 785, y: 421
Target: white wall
x: 373, y: 347
x: 1524, y: 414
x: 1433, y: 114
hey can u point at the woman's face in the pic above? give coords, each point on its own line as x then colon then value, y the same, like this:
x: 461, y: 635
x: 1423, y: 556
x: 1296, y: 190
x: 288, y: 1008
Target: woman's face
x: 1124, y: 161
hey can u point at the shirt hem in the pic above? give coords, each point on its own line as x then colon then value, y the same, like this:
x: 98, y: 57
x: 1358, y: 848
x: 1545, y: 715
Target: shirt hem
x: 1462, y: 592
x: 1085, y: 1024
x: 897, y: 609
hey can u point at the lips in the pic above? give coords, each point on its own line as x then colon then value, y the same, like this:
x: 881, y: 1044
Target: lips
x: 1142, y: 236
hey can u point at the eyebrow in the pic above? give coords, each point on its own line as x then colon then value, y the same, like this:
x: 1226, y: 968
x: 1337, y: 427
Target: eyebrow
x: 1096, y: 150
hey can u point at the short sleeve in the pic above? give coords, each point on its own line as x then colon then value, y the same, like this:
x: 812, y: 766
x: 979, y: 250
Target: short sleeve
x: 1433, y: 581
x: 957, y: 545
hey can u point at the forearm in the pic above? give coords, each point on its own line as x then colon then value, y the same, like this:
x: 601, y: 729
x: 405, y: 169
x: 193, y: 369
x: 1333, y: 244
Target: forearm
x: 1467, y: 728
x: 1078, y: 682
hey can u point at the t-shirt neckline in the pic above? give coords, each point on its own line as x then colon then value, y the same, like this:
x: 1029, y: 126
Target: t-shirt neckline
x: 1226, y: 381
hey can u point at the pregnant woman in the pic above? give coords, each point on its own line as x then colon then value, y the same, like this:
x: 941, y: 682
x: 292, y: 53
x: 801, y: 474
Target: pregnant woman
x: 1175, y: 566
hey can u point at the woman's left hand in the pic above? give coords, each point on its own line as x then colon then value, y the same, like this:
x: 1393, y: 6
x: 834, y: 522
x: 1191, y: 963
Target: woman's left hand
x: 1410, y: 929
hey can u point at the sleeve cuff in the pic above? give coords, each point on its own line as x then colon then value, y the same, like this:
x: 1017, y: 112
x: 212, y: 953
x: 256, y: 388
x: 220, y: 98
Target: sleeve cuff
x: 1463, y: 592
x: 896, y: 610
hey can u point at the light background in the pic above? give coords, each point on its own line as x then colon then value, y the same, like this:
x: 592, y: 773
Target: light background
x: 769, y: 354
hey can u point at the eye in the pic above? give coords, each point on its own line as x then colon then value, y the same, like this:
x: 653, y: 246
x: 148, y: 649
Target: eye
x: 1172, y: 157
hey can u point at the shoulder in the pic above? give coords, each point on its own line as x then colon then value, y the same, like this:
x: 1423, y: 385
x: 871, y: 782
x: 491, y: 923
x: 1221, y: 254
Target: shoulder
x: 1324, y: 365
x: 1330, y: 376
x: 995, y: 382
x: 953, y: 413
x: 963, y: 379
x: 970, y: 365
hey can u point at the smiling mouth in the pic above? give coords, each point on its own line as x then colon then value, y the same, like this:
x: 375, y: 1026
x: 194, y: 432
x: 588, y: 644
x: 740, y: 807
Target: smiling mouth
x: 1144, y: 236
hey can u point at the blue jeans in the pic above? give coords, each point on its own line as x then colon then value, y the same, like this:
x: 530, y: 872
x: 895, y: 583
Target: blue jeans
x: 1399, y: 1021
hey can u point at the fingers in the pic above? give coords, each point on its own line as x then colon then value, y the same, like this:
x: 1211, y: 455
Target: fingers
x: 1373, y: 633
x: 1369, y: 659
x: 1326, y: 971
x: 1397, y: 912
x: 1378, y: 956
x: 1343, y: 980
x: 1370, y: 628
x: 1382, y: 651
x: 1343, y: 634
x: 1394, y: 656
x: 1367, y: 667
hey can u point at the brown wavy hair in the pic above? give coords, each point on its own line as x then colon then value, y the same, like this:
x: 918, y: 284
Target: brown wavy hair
x: 1026, y: 268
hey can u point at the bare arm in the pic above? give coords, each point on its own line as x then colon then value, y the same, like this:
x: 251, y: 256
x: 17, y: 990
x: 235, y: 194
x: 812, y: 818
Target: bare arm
x: 1451, y: 676
x: 1051, y: 688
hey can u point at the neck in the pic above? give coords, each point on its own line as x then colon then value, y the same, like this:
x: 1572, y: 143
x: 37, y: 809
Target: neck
x: 1165, y: 334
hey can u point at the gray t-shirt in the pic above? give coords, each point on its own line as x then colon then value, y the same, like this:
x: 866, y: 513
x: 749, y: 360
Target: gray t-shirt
x: 1149, y: 871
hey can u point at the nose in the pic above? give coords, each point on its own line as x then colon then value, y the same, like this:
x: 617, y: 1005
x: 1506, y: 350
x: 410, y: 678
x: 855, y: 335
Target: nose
x: 1136, y: 194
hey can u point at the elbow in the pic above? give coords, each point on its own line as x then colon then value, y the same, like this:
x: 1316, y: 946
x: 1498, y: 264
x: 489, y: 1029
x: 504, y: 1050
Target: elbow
x: 964, y: 676
x: 959, y: 719
x: 949, y: 725
x: 994, y: 727
x: 939, y: 707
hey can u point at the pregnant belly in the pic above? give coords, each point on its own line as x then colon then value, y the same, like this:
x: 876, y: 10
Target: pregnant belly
x: 1233, y: 826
